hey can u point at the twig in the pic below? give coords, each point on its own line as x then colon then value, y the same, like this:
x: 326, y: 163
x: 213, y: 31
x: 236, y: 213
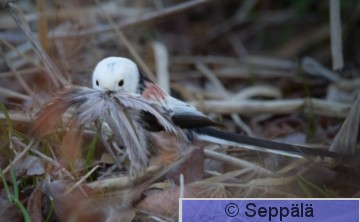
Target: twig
x: 259, y: 90
x: 237, y: 45
x: 269, y: 62
x: 27, y: 71
x: 16, y: 116
x: 253, y: 72
x: 108, y: 149
x: 349, y: 85
x: 82, y: 179
x: 218, y: 177
x: 213, y: 79
x: 239, y: 17
x: 19, y: 54
x: 42, y: 25
x: 22, y: 82
x: 303, y: 41
x: 124, y: 181
x: 225, y: 94
x: 162, y: 63
x: 146, y: 18
x: 238, y: 121
x: 313, y: 67
x: 19, y: 156
x: 271, y: 181
x: 293, y: 166
x: 20, y: 50
x: 218, y: 60
x: 182, y: 186
x: 54, y: 73
x: 129, y: 47
x: 248, y: 67
x: 235, y: 161
x: 66, y: 14
x: 10, y: 93
x: 52, y: 162
x: 336, y: 33
x: 254, y: 107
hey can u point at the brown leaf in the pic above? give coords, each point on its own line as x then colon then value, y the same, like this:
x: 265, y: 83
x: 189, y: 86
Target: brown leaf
x: 165, y: 203
x: 192, y: 167
x: 9, y: 212
x: 50, y: 115
x: 70, y: 150
x: 70, y: 206
x: 30, y: 166
x: 85, y: 204
x: 170, y: 148
x: 34, y: 205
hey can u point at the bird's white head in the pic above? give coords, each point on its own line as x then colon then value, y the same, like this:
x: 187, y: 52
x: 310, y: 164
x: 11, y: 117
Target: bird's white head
x: 114, y: 73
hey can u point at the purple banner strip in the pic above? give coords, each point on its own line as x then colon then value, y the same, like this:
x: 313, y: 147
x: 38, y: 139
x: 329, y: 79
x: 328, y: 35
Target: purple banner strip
x: 288, y: 210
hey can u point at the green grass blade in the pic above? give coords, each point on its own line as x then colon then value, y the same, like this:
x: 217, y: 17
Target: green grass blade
x: 6, y: 187
x: 48, y: 217
x: 22, y: 210
x: 305, y: 188
x: 313, y: 186
x: 310, y: 113
x: 6, y: 113
x: 90, y: 155
x: 14, y: 182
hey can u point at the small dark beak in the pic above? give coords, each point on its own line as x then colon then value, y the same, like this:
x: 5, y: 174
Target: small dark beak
x: 109, y: 92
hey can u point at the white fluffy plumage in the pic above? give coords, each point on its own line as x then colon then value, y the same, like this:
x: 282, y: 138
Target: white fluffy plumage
x: 114, y: 73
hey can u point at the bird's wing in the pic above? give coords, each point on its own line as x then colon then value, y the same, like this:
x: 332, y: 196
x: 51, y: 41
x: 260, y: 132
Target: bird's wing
x: 182, y: 114
x: 186, y: 116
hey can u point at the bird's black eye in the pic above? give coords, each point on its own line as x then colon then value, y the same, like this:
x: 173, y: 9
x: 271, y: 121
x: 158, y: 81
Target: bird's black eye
x: 97, y: 83
x: 121, y: 83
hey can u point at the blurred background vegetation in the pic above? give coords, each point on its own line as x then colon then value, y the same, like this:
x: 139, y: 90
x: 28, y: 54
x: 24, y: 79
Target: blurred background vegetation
x: 211, y: 51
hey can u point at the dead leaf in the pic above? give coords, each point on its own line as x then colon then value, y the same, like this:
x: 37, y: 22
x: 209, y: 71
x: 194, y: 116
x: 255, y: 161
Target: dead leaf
x: 165, y: 203
x: 70, y: 206
x: 9, y: 212
x: 169, y: 149
x: 192, y: 167
x: 346, y: 139
x: 49, y: 117
x: 70, y: 149
x: 30, y: 166
x: 85, y: 204
x: 34, y: 205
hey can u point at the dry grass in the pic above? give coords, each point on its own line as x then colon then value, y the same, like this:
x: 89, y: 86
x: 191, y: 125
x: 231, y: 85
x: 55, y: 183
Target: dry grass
x: 259, y: 67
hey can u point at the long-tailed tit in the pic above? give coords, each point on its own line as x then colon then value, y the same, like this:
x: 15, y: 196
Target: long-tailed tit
x: 117, y: 73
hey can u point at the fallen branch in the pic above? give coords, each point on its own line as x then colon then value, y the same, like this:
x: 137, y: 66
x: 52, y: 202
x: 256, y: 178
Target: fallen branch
x: 255, y: 107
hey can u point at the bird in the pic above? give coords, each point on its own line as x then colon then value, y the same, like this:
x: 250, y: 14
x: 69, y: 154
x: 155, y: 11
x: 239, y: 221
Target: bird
x: 118, y: 73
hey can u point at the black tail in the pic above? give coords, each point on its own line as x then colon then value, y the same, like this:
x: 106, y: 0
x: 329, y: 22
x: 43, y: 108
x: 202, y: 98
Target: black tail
x: 266, y: 144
